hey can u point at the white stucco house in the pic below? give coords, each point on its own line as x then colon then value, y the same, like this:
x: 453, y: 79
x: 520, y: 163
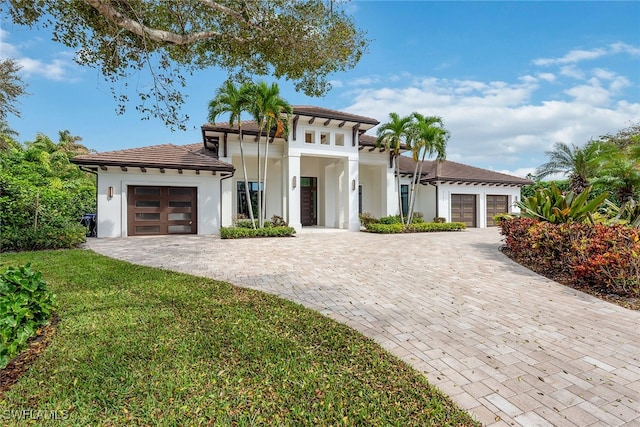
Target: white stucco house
x: 323, y: 174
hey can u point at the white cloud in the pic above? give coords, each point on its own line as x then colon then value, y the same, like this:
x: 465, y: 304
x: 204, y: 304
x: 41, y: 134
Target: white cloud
x: 60, y: 68
x: 579, y: 55
x: 498, y: 123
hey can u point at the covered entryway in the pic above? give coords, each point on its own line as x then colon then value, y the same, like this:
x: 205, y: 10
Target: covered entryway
x: 463, y: 209
x: 155, y: 210
x: 309, y: 201
x: 496, y: 205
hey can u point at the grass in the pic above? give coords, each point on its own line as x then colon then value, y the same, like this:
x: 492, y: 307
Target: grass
x: 143, y: 346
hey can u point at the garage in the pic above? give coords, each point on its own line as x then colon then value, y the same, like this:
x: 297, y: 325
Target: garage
x: 496, y: 205
x: 463, y: 209
x: 155, y: 210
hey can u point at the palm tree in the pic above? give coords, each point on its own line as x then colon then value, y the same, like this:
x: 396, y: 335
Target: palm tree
x: 70, y: 144
x: 8, y: 137
x: 392, y: 135
x: 429, y: 137
x: 234, y: 101
x: 579, y: 163
x: 268, y: 109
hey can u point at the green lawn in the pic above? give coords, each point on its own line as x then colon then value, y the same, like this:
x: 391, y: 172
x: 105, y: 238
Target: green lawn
x: 143, y: 346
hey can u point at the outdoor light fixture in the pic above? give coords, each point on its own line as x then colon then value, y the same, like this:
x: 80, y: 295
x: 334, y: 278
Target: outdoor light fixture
x: 294, y: 182
x: 110, y: 192
x: 353, y: 185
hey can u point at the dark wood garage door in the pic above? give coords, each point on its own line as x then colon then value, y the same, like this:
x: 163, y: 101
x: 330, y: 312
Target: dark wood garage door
x: 161, y: 210
x: 496, y: 205
x: 463, y: 209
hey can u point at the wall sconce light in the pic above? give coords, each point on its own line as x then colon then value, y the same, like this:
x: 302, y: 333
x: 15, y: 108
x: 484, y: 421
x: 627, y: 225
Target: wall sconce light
x: 110, y: 192
x: 353, y: 185
x: 294, y: 182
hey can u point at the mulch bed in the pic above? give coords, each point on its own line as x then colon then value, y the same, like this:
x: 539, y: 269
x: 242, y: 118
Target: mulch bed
x: 19, y: 365
x: 630, y: 302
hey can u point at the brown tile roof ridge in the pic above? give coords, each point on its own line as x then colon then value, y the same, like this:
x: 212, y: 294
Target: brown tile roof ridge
x: 448, y: 170
x: 333, y: 114
x: 168, y: 156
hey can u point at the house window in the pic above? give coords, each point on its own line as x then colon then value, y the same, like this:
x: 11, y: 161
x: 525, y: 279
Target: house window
x: 340, y: 139
x: 404, y: 195
x: 324, y: 138
x: 243, y: 206
x: 309, y: 137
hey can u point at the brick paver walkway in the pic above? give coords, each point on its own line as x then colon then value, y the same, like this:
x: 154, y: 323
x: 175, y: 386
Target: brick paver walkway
x: 511, y: 347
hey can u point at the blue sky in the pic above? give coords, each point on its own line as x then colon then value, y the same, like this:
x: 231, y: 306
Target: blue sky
x: 509, y: 79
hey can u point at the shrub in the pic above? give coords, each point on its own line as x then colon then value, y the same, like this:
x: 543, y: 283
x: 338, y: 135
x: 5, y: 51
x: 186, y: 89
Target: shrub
x: 270, y: 231
x: 367, y: 218
x: 385, y: 228
x: 278, y: 221
x: 62, y: 236
x: 597, y: 256
x: 25, y: 304
x: 392, y: 219
x: 421, y: 227
x: 433, y: 226
x: 439, y: 219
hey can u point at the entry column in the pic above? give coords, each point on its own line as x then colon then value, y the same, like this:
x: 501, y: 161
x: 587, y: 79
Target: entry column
x: 292, y: 185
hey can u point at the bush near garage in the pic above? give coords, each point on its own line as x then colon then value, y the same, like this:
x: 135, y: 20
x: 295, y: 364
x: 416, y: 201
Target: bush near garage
x: 242, y: 232
x: 601, y: 257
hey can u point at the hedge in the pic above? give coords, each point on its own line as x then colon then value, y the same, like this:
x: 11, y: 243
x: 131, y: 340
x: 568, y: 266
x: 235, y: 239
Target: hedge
x: 598, y: 256
x: 422, y: 227
x: 241, y: 232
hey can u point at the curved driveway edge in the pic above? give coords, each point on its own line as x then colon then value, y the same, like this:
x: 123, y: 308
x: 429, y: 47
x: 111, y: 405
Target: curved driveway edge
x: 509, y: 346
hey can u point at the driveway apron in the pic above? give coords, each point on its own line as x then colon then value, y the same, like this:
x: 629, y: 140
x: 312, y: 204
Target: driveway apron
x: 509, y: 346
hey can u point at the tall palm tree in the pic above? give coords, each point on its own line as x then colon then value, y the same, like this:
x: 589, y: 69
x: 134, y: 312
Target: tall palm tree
x: 234, y: 101
x: 269, y: 110
x: 429, y: 138
x: 579, y: 163
x: 392, y: 135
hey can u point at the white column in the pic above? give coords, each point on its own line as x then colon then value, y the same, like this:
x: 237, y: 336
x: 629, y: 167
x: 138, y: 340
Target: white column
x: 352, y: 195
x: 392, y: 194
x: 330, y: 196
x: 293, y: 191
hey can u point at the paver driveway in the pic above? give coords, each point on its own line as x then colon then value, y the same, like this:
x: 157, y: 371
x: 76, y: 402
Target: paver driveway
x: 511, y: 347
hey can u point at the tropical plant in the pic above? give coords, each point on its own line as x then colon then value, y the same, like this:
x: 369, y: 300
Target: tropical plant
x: 619, y: 166
x: 234, y: 100
x: 25, y: 304
x: 43, y: 196
x: 428, y: 138
x: 11, y: 88
x: 551, y: 205
x: 393, y: 135
x: 629, y: 214
x: 269, y: 110
x: 578, y: 163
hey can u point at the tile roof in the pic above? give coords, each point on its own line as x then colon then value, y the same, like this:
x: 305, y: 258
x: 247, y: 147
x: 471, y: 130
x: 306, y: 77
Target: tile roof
x: 251, y: 126
x: 167, y: 156
x: 309, y: 110
x: 448, y: 171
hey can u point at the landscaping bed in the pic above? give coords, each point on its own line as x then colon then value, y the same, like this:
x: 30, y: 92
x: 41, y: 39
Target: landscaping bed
x: 602, y: 260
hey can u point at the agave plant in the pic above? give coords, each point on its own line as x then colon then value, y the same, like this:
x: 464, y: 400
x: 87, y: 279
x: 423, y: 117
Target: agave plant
x: 551, y: 205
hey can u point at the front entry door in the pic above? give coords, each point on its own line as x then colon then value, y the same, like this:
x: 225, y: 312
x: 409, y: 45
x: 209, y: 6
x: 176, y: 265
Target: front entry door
x: 308, y: 200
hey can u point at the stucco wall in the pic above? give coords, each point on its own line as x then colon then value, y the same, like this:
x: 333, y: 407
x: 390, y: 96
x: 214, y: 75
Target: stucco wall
x: 112, y: 212
x: 481, y: 191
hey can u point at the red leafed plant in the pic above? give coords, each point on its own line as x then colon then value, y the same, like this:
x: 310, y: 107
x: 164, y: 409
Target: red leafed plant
x: 599, y: 256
